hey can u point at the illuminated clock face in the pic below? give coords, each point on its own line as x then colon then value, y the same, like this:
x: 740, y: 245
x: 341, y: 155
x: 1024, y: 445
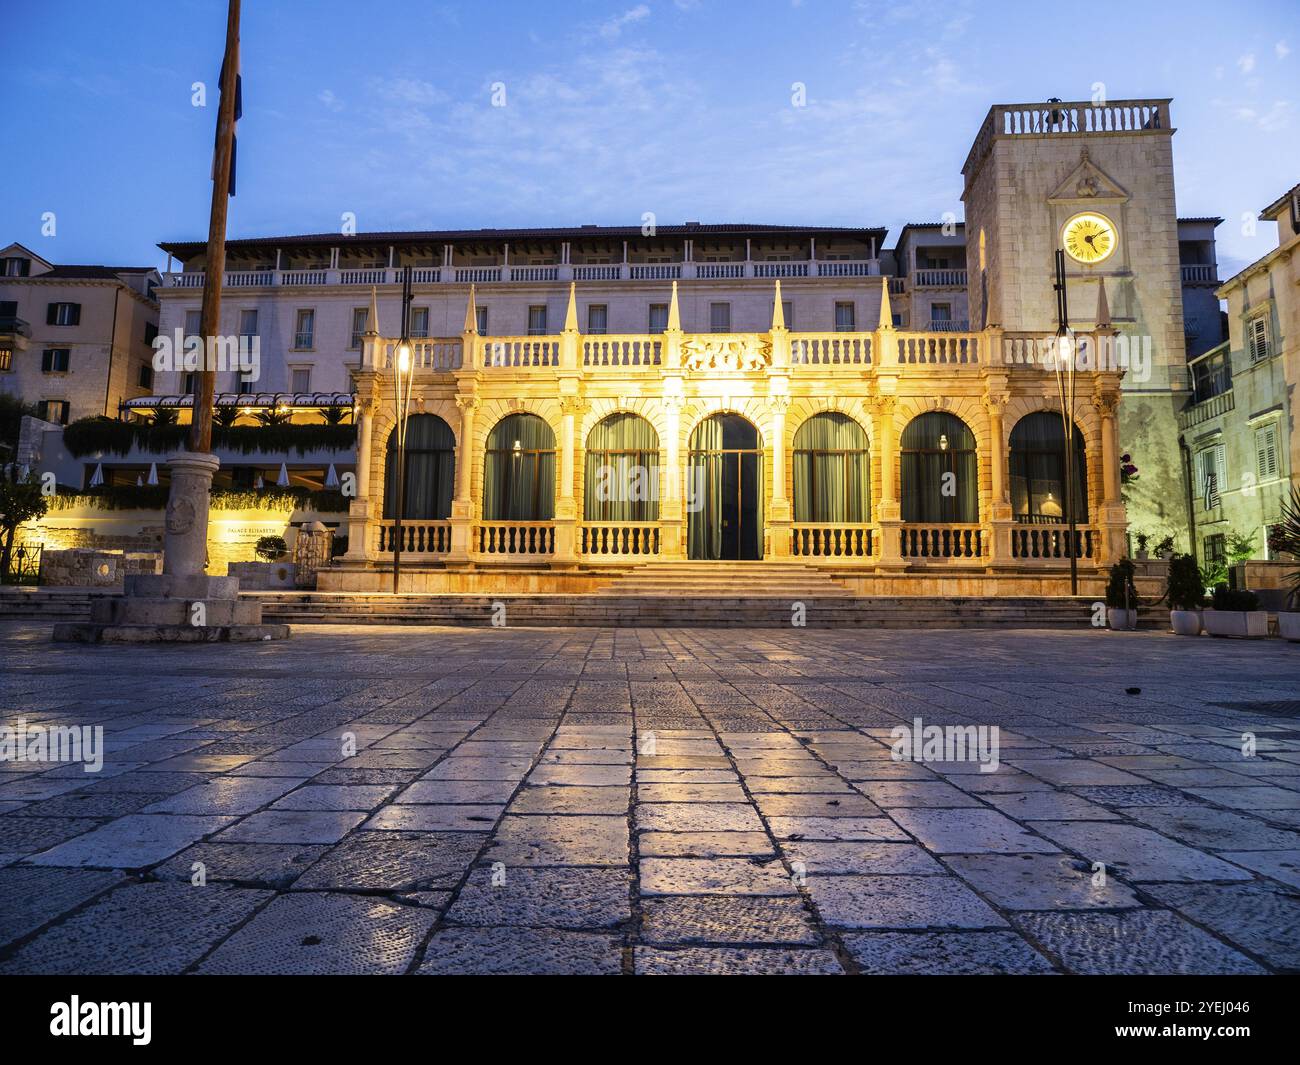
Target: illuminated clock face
x: 1089, y: 238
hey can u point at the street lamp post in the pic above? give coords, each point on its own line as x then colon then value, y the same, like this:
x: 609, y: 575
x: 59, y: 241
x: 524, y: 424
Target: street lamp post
x: 403, y: 377
x: 1065, y: 387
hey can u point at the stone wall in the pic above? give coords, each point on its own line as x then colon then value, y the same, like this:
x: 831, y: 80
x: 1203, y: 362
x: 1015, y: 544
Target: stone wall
x: 89, y: 568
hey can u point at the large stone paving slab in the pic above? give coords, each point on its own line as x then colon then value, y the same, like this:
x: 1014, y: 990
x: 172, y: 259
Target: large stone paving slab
x: 498, y: 773
x: 945, y: 953
x: 324, y: 934
x: 1133, y: 942
x: 521, y: 951
x: 158, y: 929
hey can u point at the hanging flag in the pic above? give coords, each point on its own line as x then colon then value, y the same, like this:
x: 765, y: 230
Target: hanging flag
x: 239, y: 113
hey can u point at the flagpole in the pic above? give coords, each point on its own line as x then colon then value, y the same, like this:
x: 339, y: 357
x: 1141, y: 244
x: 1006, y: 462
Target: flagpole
x: 215, y: 268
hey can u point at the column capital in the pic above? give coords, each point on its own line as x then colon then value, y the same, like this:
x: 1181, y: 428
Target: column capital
x: 1106, y: 404
x: 573, y: 405
x: 467, y: 404
x: 779, y: 404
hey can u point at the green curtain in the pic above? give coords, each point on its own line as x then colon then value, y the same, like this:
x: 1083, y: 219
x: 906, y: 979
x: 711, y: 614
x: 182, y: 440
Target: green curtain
x: 622, y: 465
x: 430, y: 469
x: 832, y: 470
x: 1037, y: 468
x: 934, y: 445
x: 519, y: 482
x: 704, y: 491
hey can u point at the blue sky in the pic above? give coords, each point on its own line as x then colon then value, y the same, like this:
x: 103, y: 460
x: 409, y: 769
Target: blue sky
x: 679, y: 107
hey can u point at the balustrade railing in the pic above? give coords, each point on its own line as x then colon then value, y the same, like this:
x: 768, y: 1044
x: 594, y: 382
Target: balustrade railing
x: 934, y: 541
x: 940, y: 278
x: 938, y: 349
x: 791, y: 269
x: 418, y: 537
x: 714, y: 271
x: 1051, y: 542
x: 1196, y: 272
x: 597, y: 272
x: 830, y: 349
x: 656, y: 271
x: 621, y: 351
x: 827, y: 540
x: 518, y: 538
x: 620, y: 539
x: 441, y: 355
x: 520, y: 351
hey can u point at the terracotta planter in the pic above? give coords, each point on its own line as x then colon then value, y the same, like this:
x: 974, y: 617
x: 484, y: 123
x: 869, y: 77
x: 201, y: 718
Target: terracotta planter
x: 1250, y: 624
x: 1121, y: 620
x: 1185, y: 622
x: 1288, y: 625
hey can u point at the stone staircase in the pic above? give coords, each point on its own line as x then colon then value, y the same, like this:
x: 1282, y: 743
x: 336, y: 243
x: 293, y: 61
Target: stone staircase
x: 769, y: 603
x: 755, y: 580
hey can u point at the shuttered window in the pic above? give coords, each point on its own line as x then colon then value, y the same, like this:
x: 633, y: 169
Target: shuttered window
x: 1257, y: 338
x: 1266, y: 452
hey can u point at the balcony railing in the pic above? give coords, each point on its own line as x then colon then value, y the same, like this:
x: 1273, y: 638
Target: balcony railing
x: 418, y: 537
x: 826, y: 540
x: 519, y: 539
x: 621, y: 351
x: 620, y: 539
x: 830, y: 349
x: 939, y: 278
x: 509, y: 273
x: 1206, y: 409
x: 13, y: 326
x: 1196, y: 273
x: 1049, y: 542
x: 948, y: 325
x: 929, y: 542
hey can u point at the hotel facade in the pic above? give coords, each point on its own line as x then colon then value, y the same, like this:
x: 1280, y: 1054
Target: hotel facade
x: 590, y: 399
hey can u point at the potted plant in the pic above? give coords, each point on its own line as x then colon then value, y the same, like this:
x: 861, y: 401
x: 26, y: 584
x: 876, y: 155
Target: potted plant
x: 1186, y: 595
x: 1142, y: 539
x: 1285, y: 540
x: 1235, y: 613
x: 1121, y: 596
x: 1165, y: 548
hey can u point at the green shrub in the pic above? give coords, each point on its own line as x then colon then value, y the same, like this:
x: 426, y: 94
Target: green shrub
x: 1226, y: 598
x: 1185, y: 590
x: 92, y: 436
x: 271, y: 548
x: 1121, y: 592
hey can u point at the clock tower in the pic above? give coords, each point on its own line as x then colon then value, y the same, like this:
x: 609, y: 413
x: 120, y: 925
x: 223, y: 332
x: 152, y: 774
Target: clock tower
x: 1097, y: 181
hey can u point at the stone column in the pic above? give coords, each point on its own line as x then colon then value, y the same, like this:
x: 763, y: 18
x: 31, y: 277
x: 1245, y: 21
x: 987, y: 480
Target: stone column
x: 672, y: 543
x: 462, y: 506
x: 566, y: 514
x: 998, y: 520
x: 779, y: 512
x: 359, y: 510
x: 888, y: 551
x: 185, y: 541
x: 1112, y: 515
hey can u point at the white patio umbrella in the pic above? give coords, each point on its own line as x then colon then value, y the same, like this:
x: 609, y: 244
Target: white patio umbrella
x: 139, y: 481
x: 283, y: 480
x: 97, y: 478
x: 259, y: 483
x: 331, y: 477
x: 153, y: 473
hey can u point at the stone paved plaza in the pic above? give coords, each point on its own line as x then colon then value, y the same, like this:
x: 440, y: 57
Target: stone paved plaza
x: 653, y: 801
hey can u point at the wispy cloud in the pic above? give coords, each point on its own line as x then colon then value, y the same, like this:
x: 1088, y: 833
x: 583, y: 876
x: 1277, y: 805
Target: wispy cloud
x: 612, y: 27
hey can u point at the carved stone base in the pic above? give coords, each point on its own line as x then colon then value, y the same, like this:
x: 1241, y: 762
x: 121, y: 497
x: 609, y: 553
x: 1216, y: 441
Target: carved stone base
x: 90, y: 632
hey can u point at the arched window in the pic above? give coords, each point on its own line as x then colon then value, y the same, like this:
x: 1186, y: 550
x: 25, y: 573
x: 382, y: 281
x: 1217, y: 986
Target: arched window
x: 621, y: 482
x: 519, y: 470
x: 1037, y: 464
x: 938, y: 470
x: 832, y: 470
x: 430, y: 469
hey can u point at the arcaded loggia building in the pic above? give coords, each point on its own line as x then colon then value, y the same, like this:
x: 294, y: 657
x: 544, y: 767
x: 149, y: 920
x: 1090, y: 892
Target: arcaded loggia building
x: 593, y: 399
